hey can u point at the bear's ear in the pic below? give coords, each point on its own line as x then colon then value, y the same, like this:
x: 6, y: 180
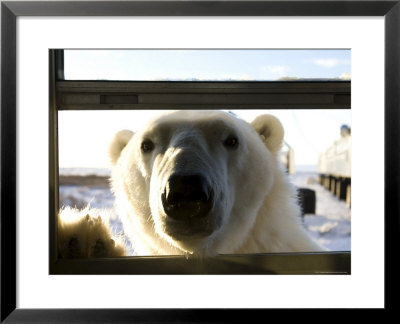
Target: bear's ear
x: 117, y: 144
x: 270, y: 130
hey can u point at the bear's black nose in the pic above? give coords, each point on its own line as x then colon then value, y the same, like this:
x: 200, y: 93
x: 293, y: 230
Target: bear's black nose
x: 187, y: 196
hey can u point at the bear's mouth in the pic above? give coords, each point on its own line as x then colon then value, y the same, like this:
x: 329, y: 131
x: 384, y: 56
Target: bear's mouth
x: 181, y: 210
x: 188, y: 219
x: 187, y: 201
x: 187, y: 197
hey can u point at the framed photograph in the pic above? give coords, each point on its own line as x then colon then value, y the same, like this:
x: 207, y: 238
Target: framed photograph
x: 79, y: 72
x: 187, y: 219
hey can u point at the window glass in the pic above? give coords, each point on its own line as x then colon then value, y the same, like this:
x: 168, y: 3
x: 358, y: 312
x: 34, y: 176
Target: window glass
x: 207, y: 65
x: 314, y: 140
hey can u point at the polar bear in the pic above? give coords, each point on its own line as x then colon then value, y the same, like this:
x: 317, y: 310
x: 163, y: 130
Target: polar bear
x: 205, y: 183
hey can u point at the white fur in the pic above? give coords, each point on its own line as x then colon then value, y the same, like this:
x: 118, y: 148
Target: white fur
x: 255, y: 209
x: 259, y: 212
x: 85, y: 233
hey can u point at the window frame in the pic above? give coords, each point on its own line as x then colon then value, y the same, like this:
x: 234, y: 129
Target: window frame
x: 121, y: 95
x: 109, y: 95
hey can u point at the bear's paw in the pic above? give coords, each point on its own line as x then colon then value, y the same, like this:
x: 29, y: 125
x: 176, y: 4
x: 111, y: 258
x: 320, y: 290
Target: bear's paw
x: 86, y: 234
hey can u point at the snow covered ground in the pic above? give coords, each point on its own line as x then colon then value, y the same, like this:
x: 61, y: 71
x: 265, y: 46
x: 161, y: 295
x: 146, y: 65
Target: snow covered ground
x: 330, y: 226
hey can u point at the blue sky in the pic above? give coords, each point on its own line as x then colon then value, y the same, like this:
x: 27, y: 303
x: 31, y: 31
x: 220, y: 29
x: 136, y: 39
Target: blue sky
x: 84, y: 135
x: 206, y: 64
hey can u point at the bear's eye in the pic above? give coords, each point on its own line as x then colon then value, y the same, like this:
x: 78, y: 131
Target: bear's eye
x: 231, y: 142
x: 147, y: 146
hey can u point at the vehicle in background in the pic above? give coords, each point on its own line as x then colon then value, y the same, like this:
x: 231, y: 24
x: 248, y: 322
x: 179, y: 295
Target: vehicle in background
x: 334, y: 166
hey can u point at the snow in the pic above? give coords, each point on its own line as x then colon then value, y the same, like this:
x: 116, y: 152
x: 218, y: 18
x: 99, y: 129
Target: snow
x: 84, y: 171
x: 330, y: 226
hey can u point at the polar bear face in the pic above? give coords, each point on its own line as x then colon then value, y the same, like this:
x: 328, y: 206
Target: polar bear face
x: 194, y: 181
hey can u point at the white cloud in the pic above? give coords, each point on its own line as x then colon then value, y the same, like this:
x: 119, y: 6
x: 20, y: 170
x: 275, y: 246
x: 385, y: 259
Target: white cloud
x: 345, y: 76
x: 242, y: 77
x: 329, y: 62
x: 288, y: 78
x: 210, y: 77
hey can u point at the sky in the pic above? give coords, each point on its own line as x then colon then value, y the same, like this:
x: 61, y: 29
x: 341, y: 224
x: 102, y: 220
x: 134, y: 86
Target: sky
x: 144, y: 65
x: 84, y: 135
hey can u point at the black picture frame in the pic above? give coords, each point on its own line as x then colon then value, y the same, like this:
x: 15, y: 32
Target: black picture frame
x: 10, y: 10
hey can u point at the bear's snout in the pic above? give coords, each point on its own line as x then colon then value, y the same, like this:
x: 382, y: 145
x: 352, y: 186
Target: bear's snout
x: 187, y: 196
